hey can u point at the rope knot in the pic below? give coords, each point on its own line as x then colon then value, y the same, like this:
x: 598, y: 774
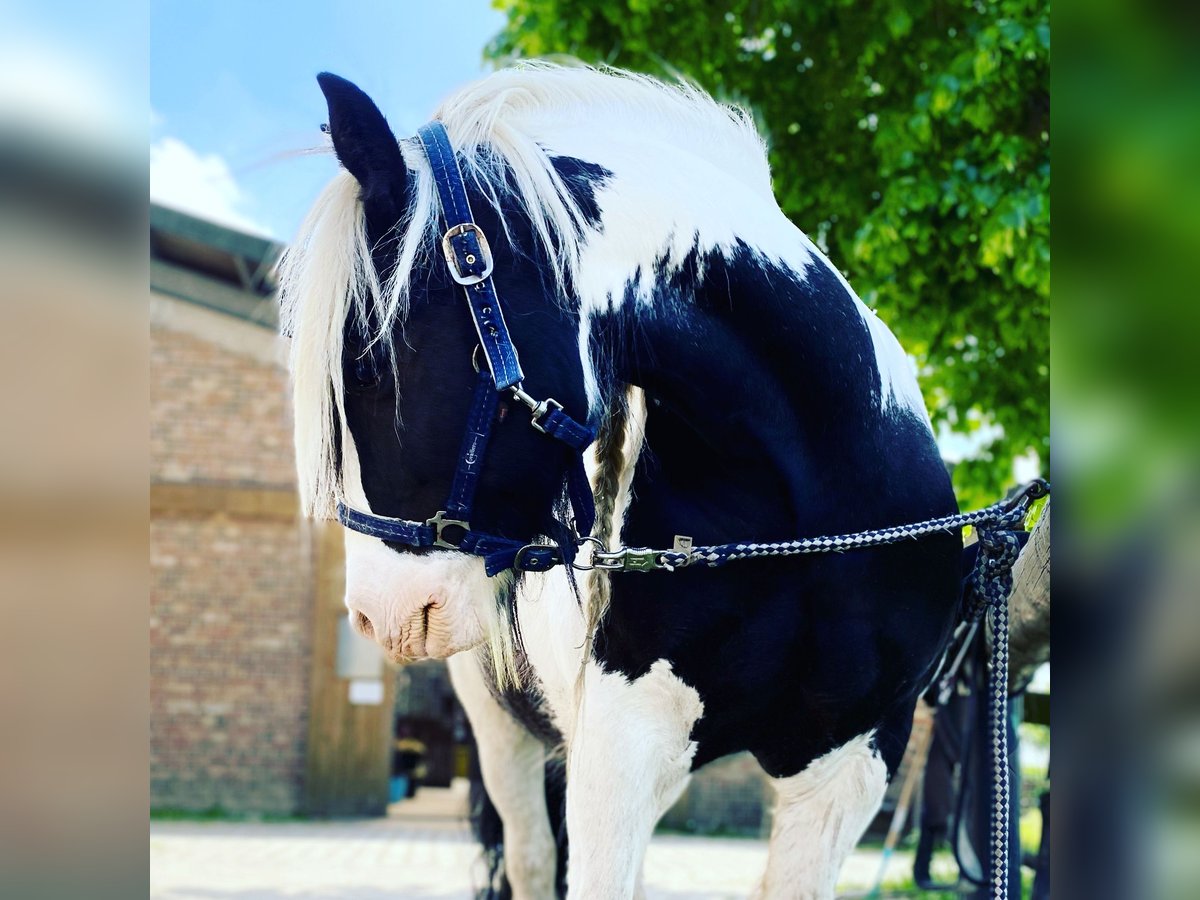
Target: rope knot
x: 991, y: 580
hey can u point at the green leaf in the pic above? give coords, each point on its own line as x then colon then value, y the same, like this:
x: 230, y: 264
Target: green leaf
x: 970, y: 253
x: 899, y: 22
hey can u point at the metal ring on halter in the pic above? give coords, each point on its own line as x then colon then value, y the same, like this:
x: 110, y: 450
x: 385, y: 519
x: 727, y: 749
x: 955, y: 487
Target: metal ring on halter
x: 579, y: 542
x: 475, y: 358
x: 440, y: 522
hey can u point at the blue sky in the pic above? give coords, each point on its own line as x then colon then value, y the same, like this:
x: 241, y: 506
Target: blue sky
x: 235, y: 104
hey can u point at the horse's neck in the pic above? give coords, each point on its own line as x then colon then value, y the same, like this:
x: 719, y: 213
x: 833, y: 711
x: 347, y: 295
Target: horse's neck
x: 723, y: 440
x: 748, y: 393
x: 766, y: 415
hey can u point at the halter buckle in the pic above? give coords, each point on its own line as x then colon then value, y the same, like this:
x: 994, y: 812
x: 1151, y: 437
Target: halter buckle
x: 439, y: 523
x: 485, y: 251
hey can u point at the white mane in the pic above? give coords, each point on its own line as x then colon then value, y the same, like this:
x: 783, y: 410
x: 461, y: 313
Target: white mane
x: 515, y: 119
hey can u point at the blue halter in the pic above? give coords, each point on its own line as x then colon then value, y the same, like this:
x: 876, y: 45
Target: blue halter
x: 469, y: 259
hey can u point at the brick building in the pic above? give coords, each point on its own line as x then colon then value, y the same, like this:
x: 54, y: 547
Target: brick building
x: 230, y: 628
x: 249, y: 712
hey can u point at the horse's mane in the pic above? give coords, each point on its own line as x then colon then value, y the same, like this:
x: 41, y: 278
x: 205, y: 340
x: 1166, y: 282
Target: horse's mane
x: 507, y: 126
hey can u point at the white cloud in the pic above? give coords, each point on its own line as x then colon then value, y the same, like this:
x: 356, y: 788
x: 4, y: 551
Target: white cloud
x: 201, y: 184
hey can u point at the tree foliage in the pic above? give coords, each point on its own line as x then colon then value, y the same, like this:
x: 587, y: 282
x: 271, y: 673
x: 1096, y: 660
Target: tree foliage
x: 910, y: 139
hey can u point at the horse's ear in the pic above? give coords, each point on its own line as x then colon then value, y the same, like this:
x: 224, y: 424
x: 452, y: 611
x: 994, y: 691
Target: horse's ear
x: 363, y: 142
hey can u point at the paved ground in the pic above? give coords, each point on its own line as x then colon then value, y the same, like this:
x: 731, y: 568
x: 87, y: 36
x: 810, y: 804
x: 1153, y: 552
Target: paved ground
x: 423, y: 852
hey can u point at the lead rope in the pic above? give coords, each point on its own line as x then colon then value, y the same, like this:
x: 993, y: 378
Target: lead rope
x: 992, y: 583
x: 644, y: 559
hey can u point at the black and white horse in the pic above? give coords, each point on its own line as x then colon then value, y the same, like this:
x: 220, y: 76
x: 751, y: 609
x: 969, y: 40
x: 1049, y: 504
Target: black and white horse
x: 741, y: 391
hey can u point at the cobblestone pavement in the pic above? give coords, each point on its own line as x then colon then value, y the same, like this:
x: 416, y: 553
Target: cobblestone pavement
x: 415, y: 857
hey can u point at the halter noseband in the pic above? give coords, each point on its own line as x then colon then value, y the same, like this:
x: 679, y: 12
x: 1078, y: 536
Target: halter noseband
x: 469, y: 259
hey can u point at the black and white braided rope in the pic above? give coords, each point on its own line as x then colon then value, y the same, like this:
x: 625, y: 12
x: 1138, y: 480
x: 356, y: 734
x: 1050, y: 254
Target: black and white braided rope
x: 719, y: 554
x: 991, y: 580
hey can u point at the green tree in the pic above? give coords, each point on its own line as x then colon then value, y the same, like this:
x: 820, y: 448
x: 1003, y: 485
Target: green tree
x: 910, y: 138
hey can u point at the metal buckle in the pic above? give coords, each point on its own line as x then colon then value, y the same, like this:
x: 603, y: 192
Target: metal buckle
x: 439, y: 522
x: 452, y: 260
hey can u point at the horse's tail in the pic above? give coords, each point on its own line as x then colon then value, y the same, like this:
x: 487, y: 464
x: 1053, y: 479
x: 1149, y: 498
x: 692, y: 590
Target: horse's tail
x: 556, y: 804
x: 489, y: 831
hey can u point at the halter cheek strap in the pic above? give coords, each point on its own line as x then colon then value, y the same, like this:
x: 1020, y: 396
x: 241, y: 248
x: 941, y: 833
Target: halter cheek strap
x: 469, y: 259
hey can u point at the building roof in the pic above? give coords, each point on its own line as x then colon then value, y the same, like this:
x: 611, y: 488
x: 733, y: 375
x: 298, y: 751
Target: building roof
x: 214, y: 266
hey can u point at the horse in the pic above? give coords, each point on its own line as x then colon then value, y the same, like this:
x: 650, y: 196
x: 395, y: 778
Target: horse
x: 737, y: 390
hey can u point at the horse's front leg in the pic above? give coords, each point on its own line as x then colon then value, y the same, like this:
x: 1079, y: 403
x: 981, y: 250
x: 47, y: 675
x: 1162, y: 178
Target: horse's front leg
x: 629, y: 759
x: 512, y: 763
x: 820, y: 814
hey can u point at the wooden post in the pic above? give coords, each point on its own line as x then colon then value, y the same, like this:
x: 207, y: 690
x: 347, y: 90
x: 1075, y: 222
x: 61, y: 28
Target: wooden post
x: 1029, y: 607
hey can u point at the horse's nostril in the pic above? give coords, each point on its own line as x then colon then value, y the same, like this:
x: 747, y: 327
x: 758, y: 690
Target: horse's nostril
x: 363, y: 625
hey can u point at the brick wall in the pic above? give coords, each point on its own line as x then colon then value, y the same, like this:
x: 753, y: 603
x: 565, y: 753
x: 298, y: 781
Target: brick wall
x: 230, y: 642
x: 217, y: 415
x: 231, y: 595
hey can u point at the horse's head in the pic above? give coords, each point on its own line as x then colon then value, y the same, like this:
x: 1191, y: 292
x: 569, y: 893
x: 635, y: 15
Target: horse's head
x: 382, y: 358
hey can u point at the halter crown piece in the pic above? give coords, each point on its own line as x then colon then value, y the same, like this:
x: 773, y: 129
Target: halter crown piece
x: 469, y: 259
